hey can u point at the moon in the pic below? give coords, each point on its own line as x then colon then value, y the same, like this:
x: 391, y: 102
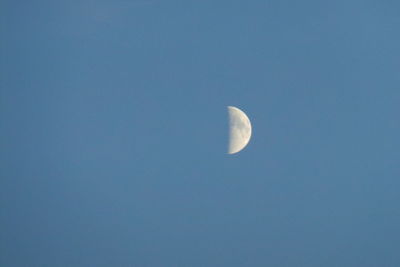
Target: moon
x: 239, y: 130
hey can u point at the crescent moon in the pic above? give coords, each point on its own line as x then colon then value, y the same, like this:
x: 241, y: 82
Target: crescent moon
x: 239, y: 130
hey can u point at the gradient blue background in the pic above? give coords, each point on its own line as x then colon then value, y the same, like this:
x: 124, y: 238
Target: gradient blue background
x: 113, y: 133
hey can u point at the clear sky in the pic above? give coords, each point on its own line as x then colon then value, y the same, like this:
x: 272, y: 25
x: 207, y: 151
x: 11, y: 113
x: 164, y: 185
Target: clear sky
x: 113, y: 133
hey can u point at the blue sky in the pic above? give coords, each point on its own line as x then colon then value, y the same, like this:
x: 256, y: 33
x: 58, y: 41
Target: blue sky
x: 113, y: 133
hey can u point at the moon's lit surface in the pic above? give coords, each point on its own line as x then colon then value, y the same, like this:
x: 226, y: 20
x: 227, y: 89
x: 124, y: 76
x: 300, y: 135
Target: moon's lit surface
x: 239, y: 130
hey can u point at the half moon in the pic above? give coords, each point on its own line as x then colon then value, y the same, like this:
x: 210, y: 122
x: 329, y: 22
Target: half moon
x: 239, y: 130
